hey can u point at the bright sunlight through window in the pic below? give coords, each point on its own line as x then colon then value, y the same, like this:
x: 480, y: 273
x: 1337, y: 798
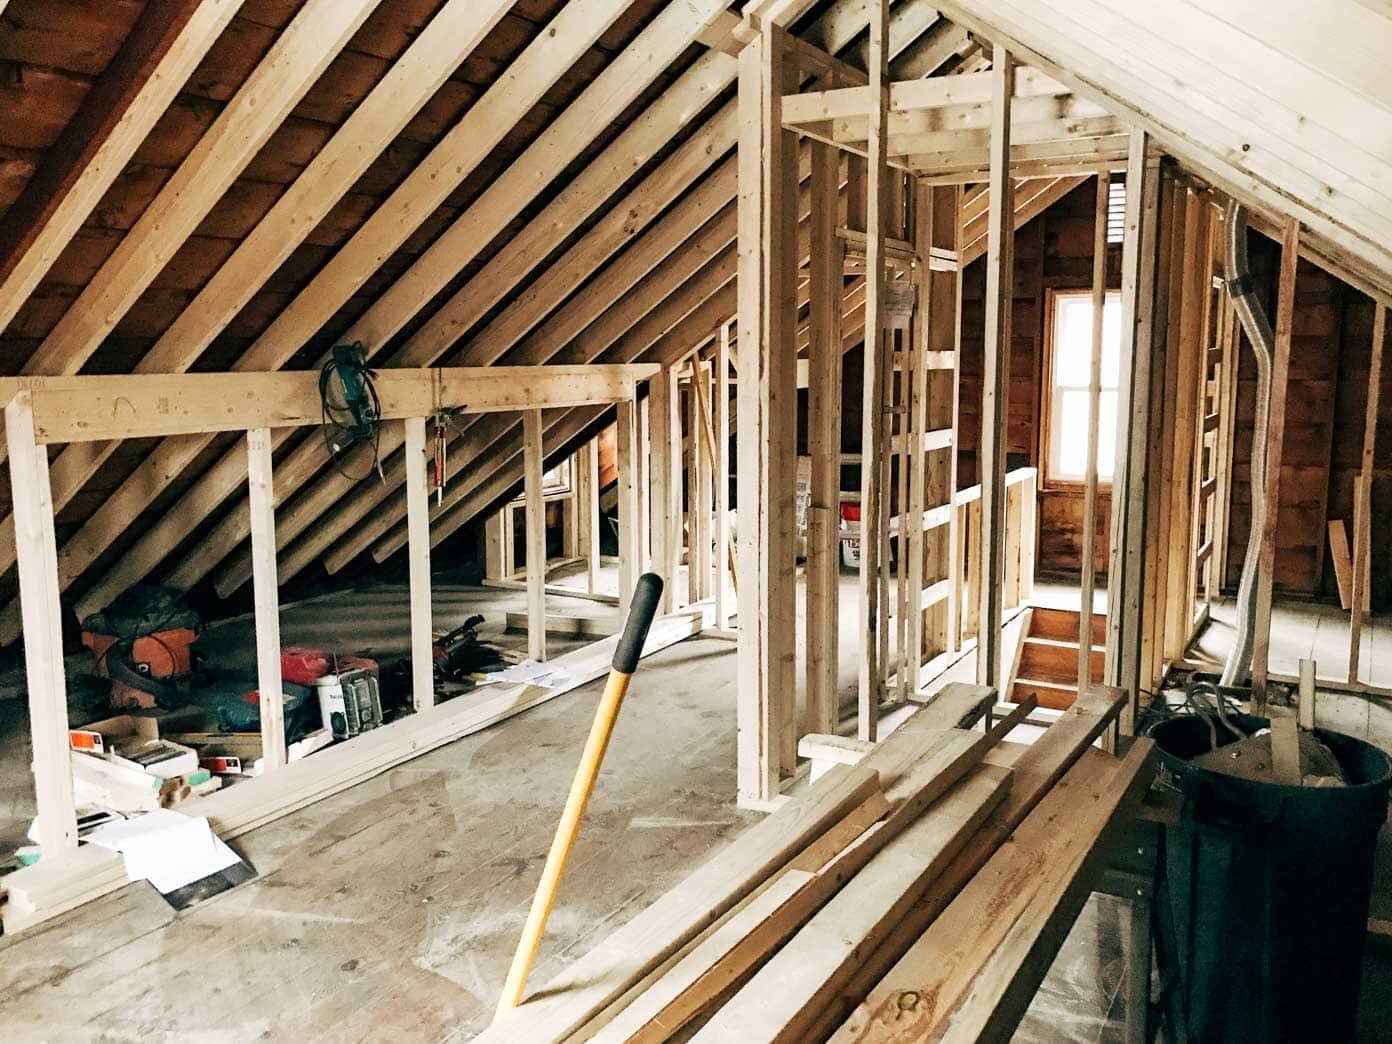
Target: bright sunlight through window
x: 1068, y: 399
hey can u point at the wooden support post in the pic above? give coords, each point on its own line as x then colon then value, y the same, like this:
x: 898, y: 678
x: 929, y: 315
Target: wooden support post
x: 724, y: 550
x: 266, y: 595
x: 824, y: 445
x: 1275, y: 441
x: 1184, y: 506
x: 1099, y: 301
x: 587, y: 512
x: 874, y: 550
x: 418, y: 554
x: 945, y: 329
x: 921, y: 218
x: 1126, y: 557
x: 536, y: 534
x: 767, y: 294
x: 702, y: 439
x: 630, y: 564
x: 495, y: 564
x: 36, y: 551
x: 1305, y: 708
x: 1363, y: 497
x: 1000, y: 260
x: 690, y: 472
x: 664, y: 427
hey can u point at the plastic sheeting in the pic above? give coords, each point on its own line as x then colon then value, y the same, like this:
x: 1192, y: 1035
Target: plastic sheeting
x: 1083, y: 998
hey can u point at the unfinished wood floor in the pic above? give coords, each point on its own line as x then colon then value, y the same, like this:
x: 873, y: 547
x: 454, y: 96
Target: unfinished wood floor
x: 390, y: 911
x: 1301, y: 630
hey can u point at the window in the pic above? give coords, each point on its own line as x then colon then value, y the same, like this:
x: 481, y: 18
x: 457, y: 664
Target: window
x: 1116, y: 211
x: 1070, y: 359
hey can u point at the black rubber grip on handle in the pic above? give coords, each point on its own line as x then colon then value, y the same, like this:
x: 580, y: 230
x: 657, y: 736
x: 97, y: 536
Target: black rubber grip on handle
x: 640, y: 618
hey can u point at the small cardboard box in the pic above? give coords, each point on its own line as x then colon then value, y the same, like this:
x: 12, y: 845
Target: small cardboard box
x: 101, y: 737
x: 134, y: 742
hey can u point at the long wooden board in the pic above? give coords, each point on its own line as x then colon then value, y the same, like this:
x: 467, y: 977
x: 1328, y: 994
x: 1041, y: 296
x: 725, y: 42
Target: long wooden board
x: 971, y: 975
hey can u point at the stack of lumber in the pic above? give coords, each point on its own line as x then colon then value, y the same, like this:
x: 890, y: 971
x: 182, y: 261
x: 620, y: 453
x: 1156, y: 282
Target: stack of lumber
x: 918, y: 893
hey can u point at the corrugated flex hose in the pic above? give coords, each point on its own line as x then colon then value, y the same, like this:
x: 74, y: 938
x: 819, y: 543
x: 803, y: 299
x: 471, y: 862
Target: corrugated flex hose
x: 1258, y: 329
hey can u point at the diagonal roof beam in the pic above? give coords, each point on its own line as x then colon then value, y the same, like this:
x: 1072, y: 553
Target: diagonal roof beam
x: 707, y: 77
x: 300, y: 54
x: 473, y: 300
x: 451, y: 35
x: 569, y: 35
x: 503, y: 462
x: 564, y: 41
x: 163, y: 49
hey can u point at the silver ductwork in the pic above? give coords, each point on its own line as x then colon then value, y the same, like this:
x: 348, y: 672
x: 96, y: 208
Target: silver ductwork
x: 1259, y: 335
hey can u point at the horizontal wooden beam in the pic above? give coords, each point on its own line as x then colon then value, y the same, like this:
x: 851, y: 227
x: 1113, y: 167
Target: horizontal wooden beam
x: 87, y: 408
x: 934, y: 92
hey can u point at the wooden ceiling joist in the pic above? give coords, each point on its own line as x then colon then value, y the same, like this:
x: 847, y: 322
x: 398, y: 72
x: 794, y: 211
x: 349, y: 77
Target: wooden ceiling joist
x: 159, y: 55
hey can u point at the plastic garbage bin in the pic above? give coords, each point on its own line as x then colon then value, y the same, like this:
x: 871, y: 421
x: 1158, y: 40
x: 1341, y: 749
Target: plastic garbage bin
x: 1270, y: 887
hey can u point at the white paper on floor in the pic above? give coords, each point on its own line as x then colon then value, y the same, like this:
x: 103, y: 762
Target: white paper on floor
x: 167, y: 848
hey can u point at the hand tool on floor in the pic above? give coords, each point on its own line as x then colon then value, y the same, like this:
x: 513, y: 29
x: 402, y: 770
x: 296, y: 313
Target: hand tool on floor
x: 630, y: 648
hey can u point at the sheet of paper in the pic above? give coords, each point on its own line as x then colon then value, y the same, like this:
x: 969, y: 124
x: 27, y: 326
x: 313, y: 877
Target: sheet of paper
x: 167, y: 848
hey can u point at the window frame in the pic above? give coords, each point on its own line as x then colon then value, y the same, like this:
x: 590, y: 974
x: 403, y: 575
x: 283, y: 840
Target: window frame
x: 1048, y: 480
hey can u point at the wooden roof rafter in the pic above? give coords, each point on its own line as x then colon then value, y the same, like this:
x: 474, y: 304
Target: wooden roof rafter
x: 155, y: 60
x: 702, y: 81
x: 576, y: 27
x: 374, y: 124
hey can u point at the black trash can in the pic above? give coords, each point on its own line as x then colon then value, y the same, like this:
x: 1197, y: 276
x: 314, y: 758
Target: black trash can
x: 1270, y: 887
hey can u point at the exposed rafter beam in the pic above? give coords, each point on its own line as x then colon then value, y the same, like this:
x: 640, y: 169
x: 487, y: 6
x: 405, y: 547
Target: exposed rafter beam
x: 710, y: 74
x: 301, y: 52
x: 407, y: 86
x: 570, y: 34
x: 157, y: 58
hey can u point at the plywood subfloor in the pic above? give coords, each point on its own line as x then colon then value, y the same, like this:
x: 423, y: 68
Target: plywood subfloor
x: 390, y: 911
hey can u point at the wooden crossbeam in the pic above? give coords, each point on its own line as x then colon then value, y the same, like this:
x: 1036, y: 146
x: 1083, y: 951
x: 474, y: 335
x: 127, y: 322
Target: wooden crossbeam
x: 73, y: 409
x: 907, y: 96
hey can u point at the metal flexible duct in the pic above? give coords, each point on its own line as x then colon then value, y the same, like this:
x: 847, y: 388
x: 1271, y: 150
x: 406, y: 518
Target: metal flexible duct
x: 1258, y: 329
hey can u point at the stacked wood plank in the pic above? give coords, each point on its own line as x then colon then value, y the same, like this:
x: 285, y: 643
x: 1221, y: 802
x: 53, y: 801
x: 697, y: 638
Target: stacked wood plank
x: 935, y: 877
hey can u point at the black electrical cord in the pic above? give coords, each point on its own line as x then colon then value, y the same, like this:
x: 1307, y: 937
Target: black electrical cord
x: 352, y: 417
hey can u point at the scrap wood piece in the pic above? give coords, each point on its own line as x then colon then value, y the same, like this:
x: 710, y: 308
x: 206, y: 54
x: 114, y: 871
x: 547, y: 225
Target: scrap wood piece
x: 1285, y: 751
x: 585, y: 989
x: 1343, y: 561
x: 971, y: 976
x: 781, y: 1000
x: 1035, y: 769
